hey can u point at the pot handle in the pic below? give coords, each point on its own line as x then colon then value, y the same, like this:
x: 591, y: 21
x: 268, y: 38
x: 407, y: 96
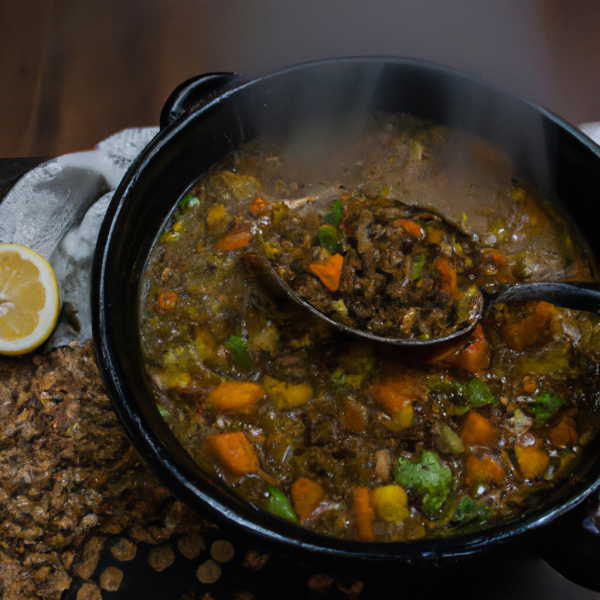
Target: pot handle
x: 571, y: 544
x: 192, y: 92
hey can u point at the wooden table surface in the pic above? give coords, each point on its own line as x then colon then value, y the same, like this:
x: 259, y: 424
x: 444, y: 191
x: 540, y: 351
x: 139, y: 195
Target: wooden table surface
x: 73, y: 72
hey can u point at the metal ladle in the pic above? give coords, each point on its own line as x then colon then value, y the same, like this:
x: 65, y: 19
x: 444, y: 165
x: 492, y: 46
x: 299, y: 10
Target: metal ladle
x: 576, y: 296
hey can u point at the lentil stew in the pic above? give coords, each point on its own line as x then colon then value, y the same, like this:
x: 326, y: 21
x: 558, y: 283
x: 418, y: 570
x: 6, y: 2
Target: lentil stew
x: 344, y: 436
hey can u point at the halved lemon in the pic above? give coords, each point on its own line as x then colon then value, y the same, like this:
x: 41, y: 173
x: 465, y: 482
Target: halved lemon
x: 29, y: 299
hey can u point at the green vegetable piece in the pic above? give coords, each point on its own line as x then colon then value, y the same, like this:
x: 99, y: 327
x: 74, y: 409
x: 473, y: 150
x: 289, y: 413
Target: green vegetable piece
x: 148, y: 314
x: 449, y: 441
x: 417, y: 264
x: 237, y: 346
x: 163, y: 411
x: 443, y: 384
x: 280, y: 211
x: 477, y: 393
x: 355, y: 368
x: 278, y: 504
x: 467, y: 510
x: 188, y: 200
x: 335, y: 214
x: 544, y: 407
x: 429, y: 477
x: 329, y: 238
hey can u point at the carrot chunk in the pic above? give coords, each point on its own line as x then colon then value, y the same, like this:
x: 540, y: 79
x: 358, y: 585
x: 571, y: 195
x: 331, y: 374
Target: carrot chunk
x: 477, y: 430
x: 564, y: 433
x: 447, y: 271
x: 234, y: 452
x: 410, y: 227
x: 166, y: 301
x: 307, y: 496
x: 259, y: 206
x: 483, y: 470
x: 390, y: 399
x: 477, y: 355
x: 328, y: 271
x: 233, y: 240
x: 396, y: 396
x: 527, y: 332
x: 363, y: 514
x: 236, y: 397
x: 533, y: 461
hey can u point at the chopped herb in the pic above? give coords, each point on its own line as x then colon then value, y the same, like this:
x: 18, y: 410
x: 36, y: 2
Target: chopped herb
x: 335, y: 213
x: 477, y: 393
x: 467, y: 510
x: 417, y: 264
x: 188, y: 200
x: 354, y: 369
x: 148, y: 314
x: 237, y: 346
x: 449, y: 441
x: 280, y: 210
x: 544, y: 407
x: 443, y: 384
x: 164, y: 413
x: 277, y: 504
x: 329, y: 238
x: 429, y: 477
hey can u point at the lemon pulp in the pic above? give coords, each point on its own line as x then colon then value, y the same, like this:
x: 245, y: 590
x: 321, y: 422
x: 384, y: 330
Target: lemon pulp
x: 29, y: 299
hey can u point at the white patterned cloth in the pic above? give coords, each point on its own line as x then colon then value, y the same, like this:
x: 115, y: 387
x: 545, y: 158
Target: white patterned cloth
x: 57, y: 208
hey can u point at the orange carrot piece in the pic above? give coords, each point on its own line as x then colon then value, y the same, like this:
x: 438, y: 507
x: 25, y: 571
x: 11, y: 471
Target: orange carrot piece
x: 307, y: 496
x: 477, y: 430
x: 166, y: 302
x: 533, y: 461
x: 410, y: 227
x: 236, y: 397
x: 234, y: 452
x: 233, y: 240
x: 529, y: 384
x: 448, y: 273
x: 329, y: 271
x: 564, y: 433
x: 483, y: 470
x: 527, y: 332
x: 259, y: 206
x: 477, y: 355
x: 363, y: 514
x: 394, y: 394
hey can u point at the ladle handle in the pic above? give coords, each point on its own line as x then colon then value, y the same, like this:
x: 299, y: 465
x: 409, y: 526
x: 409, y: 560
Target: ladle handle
x: 193, y: 92
x: 566, y: 295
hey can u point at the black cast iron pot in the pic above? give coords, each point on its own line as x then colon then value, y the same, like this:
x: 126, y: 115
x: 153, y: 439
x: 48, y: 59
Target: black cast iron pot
x: 208, y: 117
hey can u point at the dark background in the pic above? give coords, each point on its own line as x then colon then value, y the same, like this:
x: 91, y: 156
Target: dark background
x: 73, y: 72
